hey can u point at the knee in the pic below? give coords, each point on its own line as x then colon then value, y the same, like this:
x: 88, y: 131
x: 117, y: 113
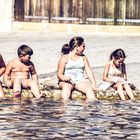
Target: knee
x: 120, y: 84
x: 67, y: 87
x: 9, y: 84
x: 126, y: 85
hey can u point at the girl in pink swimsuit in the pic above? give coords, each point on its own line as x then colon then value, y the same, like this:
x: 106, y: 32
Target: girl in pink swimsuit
x: 115, y: 75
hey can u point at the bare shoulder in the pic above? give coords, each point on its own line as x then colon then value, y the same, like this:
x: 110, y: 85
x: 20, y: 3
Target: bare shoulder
x: 84, y: 57
x: 64, y: 58
x: 13, y: 61
x: 108, y: 63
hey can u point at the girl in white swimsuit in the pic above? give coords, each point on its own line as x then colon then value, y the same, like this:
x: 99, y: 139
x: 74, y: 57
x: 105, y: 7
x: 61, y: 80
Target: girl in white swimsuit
x: 115, y: 75
x: 71, y: 69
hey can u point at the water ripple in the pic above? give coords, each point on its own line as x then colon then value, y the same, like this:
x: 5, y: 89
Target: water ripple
x: 47, y: 119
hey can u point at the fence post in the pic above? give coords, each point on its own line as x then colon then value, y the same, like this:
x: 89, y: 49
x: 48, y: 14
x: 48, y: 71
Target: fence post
x: 116, y: 10
x: 84, y: 11
x: 124, y: 11
x: 49, y: 10
x: 19, y: 10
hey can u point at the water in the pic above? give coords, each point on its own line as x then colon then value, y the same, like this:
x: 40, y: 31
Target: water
x: 47, y: 119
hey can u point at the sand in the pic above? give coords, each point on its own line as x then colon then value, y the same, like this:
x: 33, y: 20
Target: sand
x: 47, y: 47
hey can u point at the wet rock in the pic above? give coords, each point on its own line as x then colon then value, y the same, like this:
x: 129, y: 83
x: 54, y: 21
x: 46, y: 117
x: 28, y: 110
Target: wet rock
x: 53, y: 91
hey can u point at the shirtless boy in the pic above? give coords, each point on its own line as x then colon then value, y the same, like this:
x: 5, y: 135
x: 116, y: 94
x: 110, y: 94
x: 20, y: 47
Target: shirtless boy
x: 19, y: 71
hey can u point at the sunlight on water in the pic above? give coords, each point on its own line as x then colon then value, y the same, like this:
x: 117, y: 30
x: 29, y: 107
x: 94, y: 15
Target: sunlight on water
x: 46, y: 119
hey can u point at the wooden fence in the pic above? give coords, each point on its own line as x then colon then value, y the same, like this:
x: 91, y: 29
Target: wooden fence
x: 119, y: 11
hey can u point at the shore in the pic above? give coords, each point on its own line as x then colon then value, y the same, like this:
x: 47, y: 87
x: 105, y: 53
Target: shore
x: 47, y: 49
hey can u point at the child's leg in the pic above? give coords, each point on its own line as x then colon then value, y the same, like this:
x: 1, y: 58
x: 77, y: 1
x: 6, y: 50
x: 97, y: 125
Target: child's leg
x: 66, y: 90
x: 28, y: 83
x: 35, y: 89
x: 120, y: 90
x: 86, y: 88
x: 129, y: 91
x: 1, y: 91
x: 17, y: 86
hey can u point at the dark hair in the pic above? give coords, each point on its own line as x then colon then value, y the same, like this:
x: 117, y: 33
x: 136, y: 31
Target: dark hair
x: 24, y: 49
x: 118, y: 53
x: 75, y: 41
x: 65, y: 49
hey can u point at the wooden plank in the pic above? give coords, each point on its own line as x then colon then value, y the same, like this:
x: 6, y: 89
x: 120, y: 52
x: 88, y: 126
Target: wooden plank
x: 65, y: 18
x: 100, y: 20
x: 109, y: 10
x: 79, y: 9
x: 65, y: 7
x: 55, y: 7
x: 74, y: 8
x: 43, y: 7
x: 36, y: 17
x: 137, y: 8
x: 83, y: 9
x: 26, y: 7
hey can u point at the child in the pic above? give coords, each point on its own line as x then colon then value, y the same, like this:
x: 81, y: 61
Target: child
x: 18, y: 71
x: 71, y: 69
x: 65, y: 49
x: 2, y: 70
x: 115, y: 74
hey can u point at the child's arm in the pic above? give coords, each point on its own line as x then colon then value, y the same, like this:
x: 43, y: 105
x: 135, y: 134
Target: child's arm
x: 105, y: 73
x: 7, y: 73
x: 34, y: 74
x: 2, y: 66
x: 89, y: 73
x: 35, y: 78
x: 124, y: 72
x: 60, y: 69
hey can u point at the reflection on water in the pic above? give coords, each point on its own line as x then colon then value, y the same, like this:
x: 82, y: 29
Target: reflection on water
x: 46, y: 119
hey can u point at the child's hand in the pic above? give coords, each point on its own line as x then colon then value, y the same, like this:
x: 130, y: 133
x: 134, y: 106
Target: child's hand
x: 66, y: 78
x: 95, y: 89
x: 8, y: 84
x: 115, y: 81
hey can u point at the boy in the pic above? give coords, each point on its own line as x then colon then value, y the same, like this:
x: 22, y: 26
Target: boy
x: 2, y: 70
x: 18, y: 72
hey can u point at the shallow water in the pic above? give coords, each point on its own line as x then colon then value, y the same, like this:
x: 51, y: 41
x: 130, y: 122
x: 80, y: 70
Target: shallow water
x: 46, y: 119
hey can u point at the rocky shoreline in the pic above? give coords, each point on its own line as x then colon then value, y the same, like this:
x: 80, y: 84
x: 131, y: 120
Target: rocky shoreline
x: 53, y: 92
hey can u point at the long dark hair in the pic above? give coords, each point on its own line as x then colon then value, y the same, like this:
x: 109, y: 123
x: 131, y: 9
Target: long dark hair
x: 75, y: 41
x: 65, y: 49
x: 118, y: 53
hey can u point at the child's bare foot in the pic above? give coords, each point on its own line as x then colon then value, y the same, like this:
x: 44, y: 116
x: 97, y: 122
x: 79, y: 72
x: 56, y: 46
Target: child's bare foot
x: 17, y: 94
x: 91, y: 100
x: 1, y: 95
x: 42, y: 95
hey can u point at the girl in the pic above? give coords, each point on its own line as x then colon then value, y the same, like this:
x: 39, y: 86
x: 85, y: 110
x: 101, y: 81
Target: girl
x: 115, y: 74
x: 71, y: 69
